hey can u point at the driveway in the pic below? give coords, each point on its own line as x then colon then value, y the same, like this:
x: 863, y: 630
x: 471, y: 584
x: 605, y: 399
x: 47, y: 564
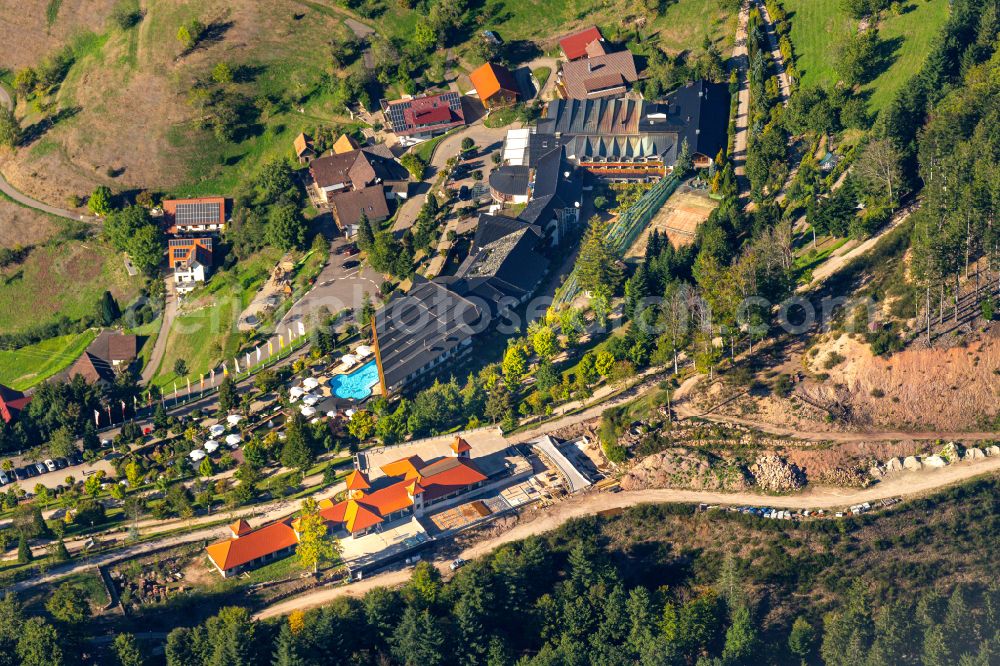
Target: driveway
x: 740, y: 62
x: 486, y: 139
x: 341, y: 284
x: 160, y: 346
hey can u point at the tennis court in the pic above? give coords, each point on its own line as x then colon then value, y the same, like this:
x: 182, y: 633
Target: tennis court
x: 679, y: 218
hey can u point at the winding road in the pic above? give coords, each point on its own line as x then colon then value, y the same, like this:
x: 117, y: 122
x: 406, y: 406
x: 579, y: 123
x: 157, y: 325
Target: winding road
x: 23, y: 199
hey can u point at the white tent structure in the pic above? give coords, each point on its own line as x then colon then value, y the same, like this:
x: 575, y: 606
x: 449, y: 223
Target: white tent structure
x: 348, y: 359
x: 308, y: 411
x: 295, y: 392
x: 349, y: 413
x: 363, y: 351
x: 217, y: 430
x: 211, y: 445
x: 197, y: 455
x: 310, y: 383
x: 233, y: 440
x: 310, y: 399
x: 233, y: 419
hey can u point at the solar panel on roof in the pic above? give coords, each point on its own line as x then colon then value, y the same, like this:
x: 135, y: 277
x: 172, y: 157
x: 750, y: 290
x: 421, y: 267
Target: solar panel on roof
x: 191, y: 214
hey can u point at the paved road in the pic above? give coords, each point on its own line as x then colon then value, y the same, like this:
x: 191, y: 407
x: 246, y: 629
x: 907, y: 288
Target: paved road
x: 906, y: 484
x: 547, y: 91
x: 24, y: 199
x: 486, y: 139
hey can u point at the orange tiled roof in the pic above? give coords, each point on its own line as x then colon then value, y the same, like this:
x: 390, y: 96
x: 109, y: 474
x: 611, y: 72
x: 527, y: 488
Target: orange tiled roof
x: 344, y: 144
x: 460, y: 445
x: 358, y: 517
x: 255, y: 544
x: 240, y: 527
x: 356, y: 480
x: 403, y: 467
x: 489, y: 79
x: 302, y: 144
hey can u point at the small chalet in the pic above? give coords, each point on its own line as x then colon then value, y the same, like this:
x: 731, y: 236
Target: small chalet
x: 248, y: 548
x: 420, y: 118
x: 194, y: 216
x: 355, y: 170
x: 495, y: 85
x: 304, y: 150
x: 586, y: 43
x: 12, y: 403
x: 191, y: 261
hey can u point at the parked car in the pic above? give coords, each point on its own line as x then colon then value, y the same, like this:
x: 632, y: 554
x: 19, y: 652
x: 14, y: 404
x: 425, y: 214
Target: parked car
x: 351, y: 250
x: 350, y: 263
x: 20, y: 474
x: 61, y: 463
x: 458, y: 564
x: 3, y: 478
x: 42, y: 468
x: 50, y: 464
x: 464, y: 194
x: 30, y: 470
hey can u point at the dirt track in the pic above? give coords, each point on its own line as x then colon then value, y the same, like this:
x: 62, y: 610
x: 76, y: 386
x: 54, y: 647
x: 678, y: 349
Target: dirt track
x: 820, y: 497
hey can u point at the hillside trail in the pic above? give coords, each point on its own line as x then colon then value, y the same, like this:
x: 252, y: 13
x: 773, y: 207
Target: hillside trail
x: 685, y: 411
x: 23, y: 199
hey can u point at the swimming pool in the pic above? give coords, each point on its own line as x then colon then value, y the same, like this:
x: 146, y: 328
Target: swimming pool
x: 356, y: 385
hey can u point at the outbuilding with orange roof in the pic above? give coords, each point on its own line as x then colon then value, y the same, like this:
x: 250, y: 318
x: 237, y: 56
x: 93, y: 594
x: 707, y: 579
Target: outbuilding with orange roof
x: 495, y: 85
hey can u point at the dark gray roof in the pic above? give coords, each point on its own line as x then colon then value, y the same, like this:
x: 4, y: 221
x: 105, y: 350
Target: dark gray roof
x: 417, y: 329
x: 700, y: 113
x: 511, y: 180
x: 509, y: 265
x: 494, y: 227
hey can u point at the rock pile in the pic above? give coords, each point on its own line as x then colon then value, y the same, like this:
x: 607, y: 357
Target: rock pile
x: 775, y: 474
x: 681, y: 467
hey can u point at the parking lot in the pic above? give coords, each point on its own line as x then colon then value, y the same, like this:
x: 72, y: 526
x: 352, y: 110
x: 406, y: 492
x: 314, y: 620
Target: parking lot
x: 54, y: 478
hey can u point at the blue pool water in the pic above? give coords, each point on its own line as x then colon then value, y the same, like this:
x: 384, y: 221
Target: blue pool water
x: 357, y: 385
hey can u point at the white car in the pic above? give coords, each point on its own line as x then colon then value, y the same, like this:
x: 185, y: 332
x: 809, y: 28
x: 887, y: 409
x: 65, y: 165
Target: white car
x: 51, y: 465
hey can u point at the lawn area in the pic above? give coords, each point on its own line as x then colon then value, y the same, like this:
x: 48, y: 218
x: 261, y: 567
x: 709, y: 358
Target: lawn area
x: 818, y: 29
x: 205, y: 333
x: 541, y: 75
x: 22, y: 368
x: 62, y: 279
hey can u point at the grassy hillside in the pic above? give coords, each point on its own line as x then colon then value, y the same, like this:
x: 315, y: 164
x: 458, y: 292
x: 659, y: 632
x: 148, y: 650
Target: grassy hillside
x: 23, y: 368
x: 818, y: 28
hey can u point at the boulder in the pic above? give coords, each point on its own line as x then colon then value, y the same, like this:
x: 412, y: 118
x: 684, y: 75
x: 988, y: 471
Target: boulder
x: 775, y: 474
x: 974, y: 454
x: 912, y: 463
x: 935, y: 461
x: 951, y: 452
x: 876, y: 471
x: 993, y: 450
x: 893, y: 465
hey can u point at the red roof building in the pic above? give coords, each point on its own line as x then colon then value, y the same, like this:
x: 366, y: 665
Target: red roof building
x: 11, y: 403
x: 575, y: 46
x: 420, y: 118
x: 495, y: 85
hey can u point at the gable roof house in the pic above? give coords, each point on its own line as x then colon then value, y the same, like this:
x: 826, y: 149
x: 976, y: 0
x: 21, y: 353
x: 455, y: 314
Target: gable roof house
x: 586, y: 43
x: 12, y: 403
x: 357, y: 181
x: 700, y: 112
x: 204, y: 215
x: 110, y: 352
x: 249, y: 548
x: 605, y: 75
x: 417, y: 119
x: 304, y: 150
x: 495, y: 85
x: 191, y: 260
x: 344, y: 144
